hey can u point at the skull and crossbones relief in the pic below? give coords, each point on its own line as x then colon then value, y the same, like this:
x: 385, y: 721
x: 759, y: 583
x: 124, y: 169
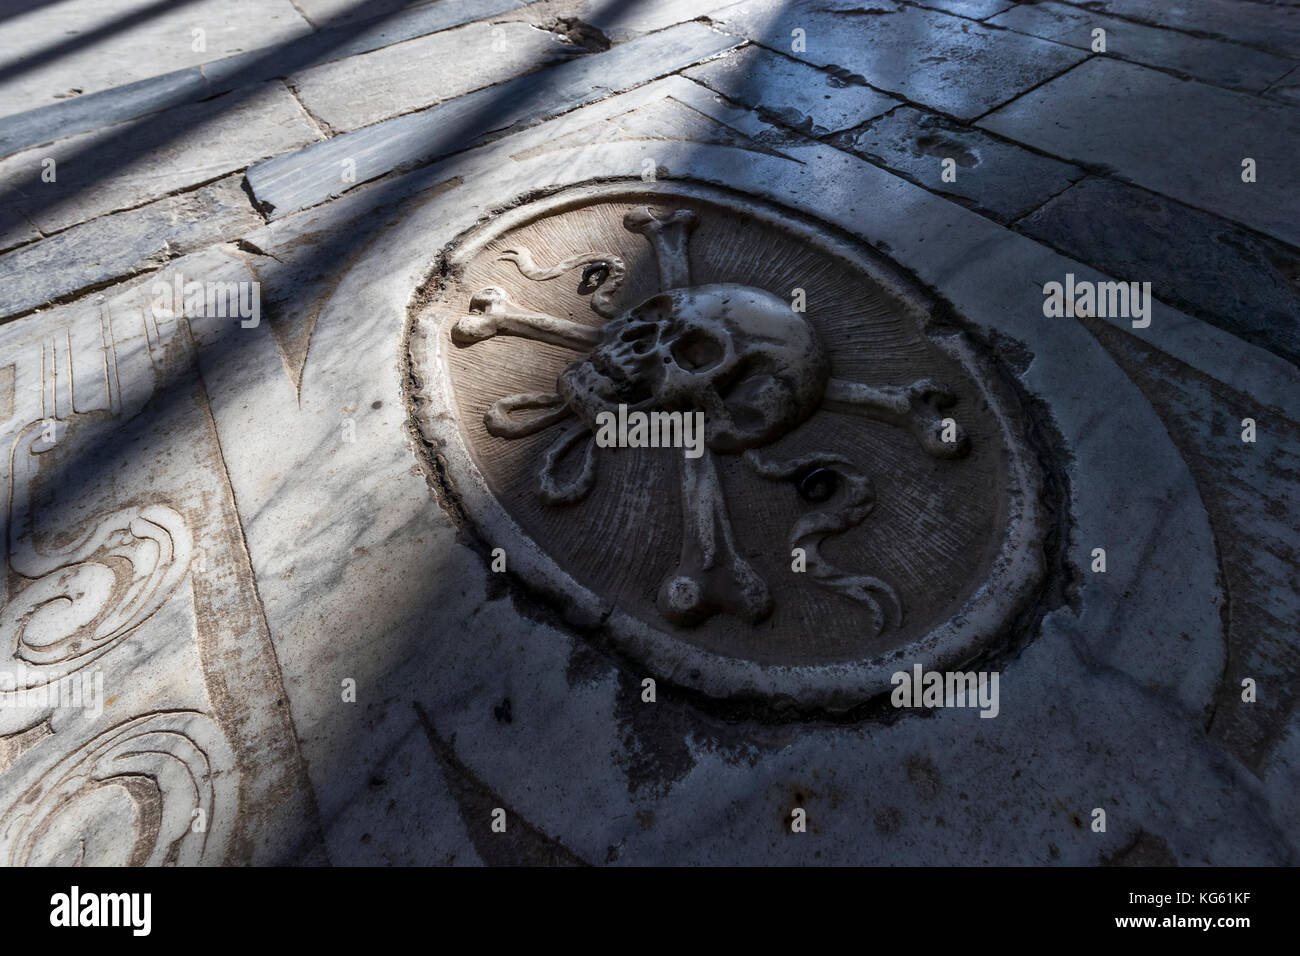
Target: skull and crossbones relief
x: 753, y: 365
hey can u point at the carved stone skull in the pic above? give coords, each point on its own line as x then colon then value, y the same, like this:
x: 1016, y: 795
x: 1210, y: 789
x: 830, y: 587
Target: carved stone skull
x: 741, y: 355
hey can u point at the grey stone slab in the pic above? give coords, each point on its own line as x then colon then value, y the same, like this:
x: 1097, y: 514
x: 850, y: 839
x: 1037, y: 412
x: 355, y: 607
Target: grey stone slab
x: 117, y: 246
x: 1288, y: 88
x: 792, y: 92
x: 1223, y: 64
x: 1270, y: 27
x: 132, y: 100
x: 132, y: 163
x: 1176, y: 137
x: 83, y: 46
x: 621, y: 21
x: 948, y: 63
x: 328, y: 13
x: 338, y: 42
x: 997, y: 177
x: 664, y: 120
x: 975, y: 9
x: 94, y: 110
x: 567, y: 701
x: 313, y: 175
x: 417, y: 73
x: 15, y: 227
x: 1236, y: 279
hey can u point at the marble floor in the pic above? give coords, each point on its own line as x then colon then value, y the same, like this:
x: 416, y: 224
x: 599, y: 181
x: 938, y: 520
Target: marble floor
x: 314, y: 550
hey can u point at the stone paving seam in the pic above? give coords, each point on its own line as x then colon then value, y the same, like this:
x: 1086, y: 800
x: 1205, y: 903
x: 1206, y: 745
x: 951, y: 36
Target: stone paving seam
x: 1103, y: 8
x: 1014, y: 20
x: 92, y: 111
x: 297, y: 180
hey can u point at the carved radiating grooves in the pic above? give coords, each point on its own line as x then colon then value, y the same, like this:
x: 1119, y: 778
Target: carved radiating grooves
x: 167, y: 779
x: 750, y: 364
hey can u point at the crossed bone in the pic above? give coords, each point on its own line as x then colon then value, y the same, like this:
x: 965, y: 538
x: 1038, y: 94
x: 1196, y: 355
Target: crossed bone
x: 710, y: 577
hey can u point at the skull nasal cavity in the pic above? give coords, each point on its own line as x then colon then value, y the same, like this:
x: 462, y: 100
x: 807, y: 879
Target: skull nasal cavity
x: 641, y: 337
x: 696, y: 351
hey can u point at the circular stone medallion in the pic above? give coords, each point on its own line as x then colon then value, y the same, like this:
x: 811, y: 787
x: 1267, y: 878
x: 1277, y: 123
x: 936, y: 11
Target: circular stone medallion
x: 859, y: 498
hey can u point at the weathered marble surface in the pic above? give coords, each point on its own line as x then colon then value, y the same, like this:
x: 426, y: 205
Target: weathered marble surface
x: 83, y: 46
x: 123, y: 166
x: 1100, y: 113
x: 1272, y: 27
x: 1229, y: 276
x: 142, y: 239
x: 130, y: 100
x: 997, y: 177
x: 791, y: 92
x: 1212, y: 61
x: 296, y: 181
x: 326, y: 665
x: 417, y: 73
x: 947, y: 63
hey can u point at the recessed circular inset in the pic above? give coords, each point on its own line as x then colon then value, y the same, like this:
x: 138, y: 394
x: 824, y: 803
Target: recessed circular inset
x: 728, y: 439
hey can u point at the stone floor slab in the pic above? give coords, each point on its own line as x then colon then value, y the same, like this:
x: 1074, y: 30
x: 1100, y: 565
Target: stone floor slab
x: 1142, y: 125
x: 407, y: 76
x: 1270, y: 27
x: 117, y: 246
x: 298, y: 180
x: 996, y: 177
x: 792, y: 92
x: 1213, y: 61
x: 621, y: 20
x: 975, y: 9
x: 127, y: 165
x: 132, y: 100
x: 945, y: 62
x: 1231, y: 277
x: 70, y: 49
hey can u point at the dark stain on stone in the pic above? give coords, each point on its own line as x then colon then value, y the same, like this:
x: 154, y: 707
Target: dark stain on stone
x: 586, y: 665
x: 856, y: 11
x: 579, y: 33
x: 841, y: 77
x: 522, y: 844
x: 945, y: 147
x: 797, y: 796
x: 924, y: 775
x: 1146, y: 849
x: 655, y: 750
x: 504, y: 712
x: 1012, y: 351
x: 889, y: 820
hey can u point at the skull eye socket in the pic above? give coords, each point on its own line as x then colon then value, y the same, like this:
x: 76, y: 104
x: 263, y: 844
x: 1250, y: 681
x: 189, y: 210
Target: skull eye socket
x: 697, y: 352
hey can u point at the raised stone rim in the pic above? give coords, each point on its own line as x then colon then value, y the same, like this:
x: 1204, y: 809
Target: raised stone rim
x: 992, y: 608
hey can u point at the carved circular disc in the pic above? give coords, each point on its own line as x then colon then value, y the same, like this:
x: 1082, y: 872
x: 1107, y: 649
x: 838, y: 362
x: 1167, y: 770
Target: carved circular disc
x: 947, y: 546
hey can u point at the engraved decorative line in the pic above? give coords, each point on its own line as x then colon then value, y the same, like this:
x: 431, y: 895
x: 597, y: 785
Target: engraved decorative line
x: 87, y: 593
